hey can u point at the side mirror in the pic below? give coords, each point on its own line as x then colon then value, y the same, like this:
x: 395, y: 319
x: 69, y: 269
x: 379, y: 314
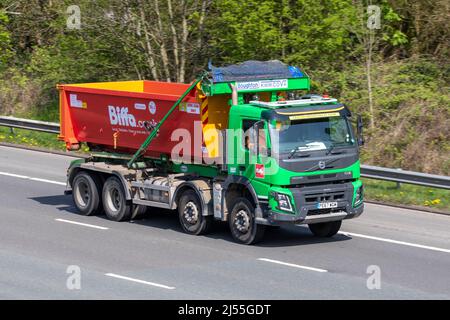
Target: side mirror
x: 359, y: 130
x: 261, y: 139
x: 253, y: 140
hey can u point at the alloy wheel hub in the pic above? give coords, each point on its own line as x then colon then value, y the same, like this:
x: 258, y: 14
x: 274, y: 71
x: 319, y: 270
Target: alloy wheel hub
x: 242, y: 221
x: 190, y: 213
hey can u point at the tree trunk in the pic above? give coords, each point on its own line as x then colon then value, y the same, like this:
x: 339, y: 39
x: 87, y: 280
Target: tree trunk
x: 148, y: 46
x: 174, y: 41
x: 369, y: 79
x: 184, y: 38
x: 162, y: 45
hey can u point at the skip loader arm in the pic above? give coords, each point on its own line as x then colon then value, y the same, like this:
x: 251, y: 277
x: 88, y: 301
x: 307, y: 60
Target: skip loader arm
x: 154, y: 132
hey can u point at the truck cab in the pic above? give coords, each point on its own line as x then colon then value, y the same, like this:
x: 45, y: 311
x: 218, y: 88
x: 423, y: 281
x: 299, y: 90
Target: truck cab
x: 301, y: 157
x: 297, y: 155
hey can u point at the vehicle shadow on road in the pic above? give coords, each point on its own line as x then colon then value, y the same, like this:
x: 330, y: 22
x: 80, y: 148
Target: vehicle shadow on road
x: 291, y: 235
x: 168, y: 220
x: 61, y: 202
x: 274, y: 237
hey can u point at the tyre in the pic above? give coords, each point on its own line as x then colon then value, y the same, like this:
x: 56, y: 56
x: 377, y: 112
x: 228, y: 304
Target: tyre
x: 115, y: 204
x: 190, y: 214
x: 243, y: 226
x: 85, y: 193
x: 138, y: 212
x: 325, y: 229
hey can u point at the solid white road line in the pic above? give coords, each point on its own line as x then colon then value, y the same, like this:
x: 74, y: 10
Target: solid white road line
x: 139, y: 281
x: 394, y: 241
x: 82, y: 224
x: 292, y: 265
x: 31, y: 178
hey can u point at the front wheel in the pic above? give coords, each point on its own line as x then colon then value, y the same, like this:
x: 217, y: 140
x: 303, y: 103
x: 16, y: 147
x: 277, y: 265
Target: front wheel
x: 191, y: 215
x: 243, y: 226
x: 325, y: 229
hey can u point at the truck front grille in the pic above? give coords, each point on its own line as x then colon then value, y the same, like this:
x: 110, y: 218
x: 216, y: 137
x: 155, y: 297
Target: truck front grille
x: 320, y: 197
x: 309, y: 196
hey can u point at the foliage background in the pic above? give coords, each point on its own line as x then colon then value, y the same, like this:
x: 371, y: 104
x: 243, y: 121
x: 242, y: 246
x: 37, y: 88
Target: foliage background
x: 407, y: 116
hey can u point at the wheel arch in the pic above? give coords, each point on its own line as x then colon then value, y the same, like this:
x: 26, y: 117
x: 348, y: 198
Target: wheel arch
x: 203, y: 190
x: 237, y: 186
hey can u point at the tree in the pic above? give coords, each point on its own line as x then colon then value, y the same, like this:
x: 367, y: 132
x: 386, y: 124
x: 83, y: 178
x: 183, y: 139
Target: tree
x: 5, y: 41
x: 165, y: 37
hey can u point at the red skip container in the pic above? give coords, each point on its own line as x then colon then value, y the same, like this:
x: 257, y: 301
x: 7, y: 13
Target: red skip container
x: 110, y: 115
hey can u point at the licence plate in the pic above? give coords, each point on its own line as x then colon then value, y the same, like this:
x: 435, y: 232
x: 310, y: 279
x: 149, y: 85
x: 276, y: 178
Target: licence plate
x: 327, y: 205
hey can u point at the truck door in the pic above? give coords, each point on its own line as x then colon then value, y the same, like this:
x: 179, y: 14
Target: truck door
x: 262, y: 162
x: 248, y: 149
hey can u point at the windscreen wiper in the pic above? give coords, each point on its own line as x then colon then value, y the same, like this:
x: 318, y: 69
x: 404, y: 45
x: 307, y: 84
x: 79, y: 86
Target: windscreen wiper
x: 294, y: 151
x: 330, y: 149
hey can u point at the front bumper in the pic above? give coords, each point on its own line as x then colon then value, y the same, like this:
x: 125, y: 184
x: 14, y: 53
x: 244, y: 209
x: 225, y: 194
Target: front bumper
x: 275, y: 218
x: 306, y: 200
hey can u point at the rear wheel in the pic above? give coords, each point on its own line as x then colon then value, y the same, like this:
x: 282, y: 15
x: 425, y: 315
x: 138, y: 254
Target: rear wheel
x: 191, y: 215
x: 138, y: 212
x: 115, y: 204
x: 243, y: 226
x: 85, y: 193
x: 325, y: 229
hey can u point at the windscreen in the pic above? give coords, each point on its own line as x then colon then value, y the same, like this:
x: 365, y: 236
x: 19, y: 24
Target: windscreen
x: 312, y: 135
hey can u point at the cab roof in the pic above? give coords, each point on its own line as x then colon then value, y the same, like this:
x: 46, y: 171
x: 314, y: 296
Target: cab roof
x: 306, y: 112
x: 319, y: 100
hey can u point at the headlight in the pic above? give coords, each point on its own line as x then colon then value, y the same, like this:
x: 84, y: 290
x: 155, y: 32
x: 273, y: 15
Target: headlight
x: 359, y: 194
x: 284, y: 202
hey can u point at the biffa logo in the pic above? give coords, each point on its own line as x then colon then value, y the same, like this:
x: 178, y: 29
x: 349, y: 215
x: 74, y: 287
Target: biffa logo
x: 120, y: 116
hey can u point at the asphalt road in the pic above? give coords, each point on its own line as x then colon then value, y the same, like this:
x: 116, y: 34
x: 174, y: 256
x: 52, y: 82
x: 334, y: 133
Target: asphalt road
x: 41, y: 235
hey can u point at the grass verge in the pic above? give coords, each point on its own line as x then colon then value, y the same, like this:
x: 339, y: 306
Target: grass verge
x: 31, y: 138
x: 407, y: 194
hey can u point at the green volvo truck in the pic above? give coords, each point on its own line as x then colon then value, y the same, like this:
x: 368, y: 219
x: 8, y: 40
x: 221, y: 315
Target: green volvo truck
x: 260, y: 150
